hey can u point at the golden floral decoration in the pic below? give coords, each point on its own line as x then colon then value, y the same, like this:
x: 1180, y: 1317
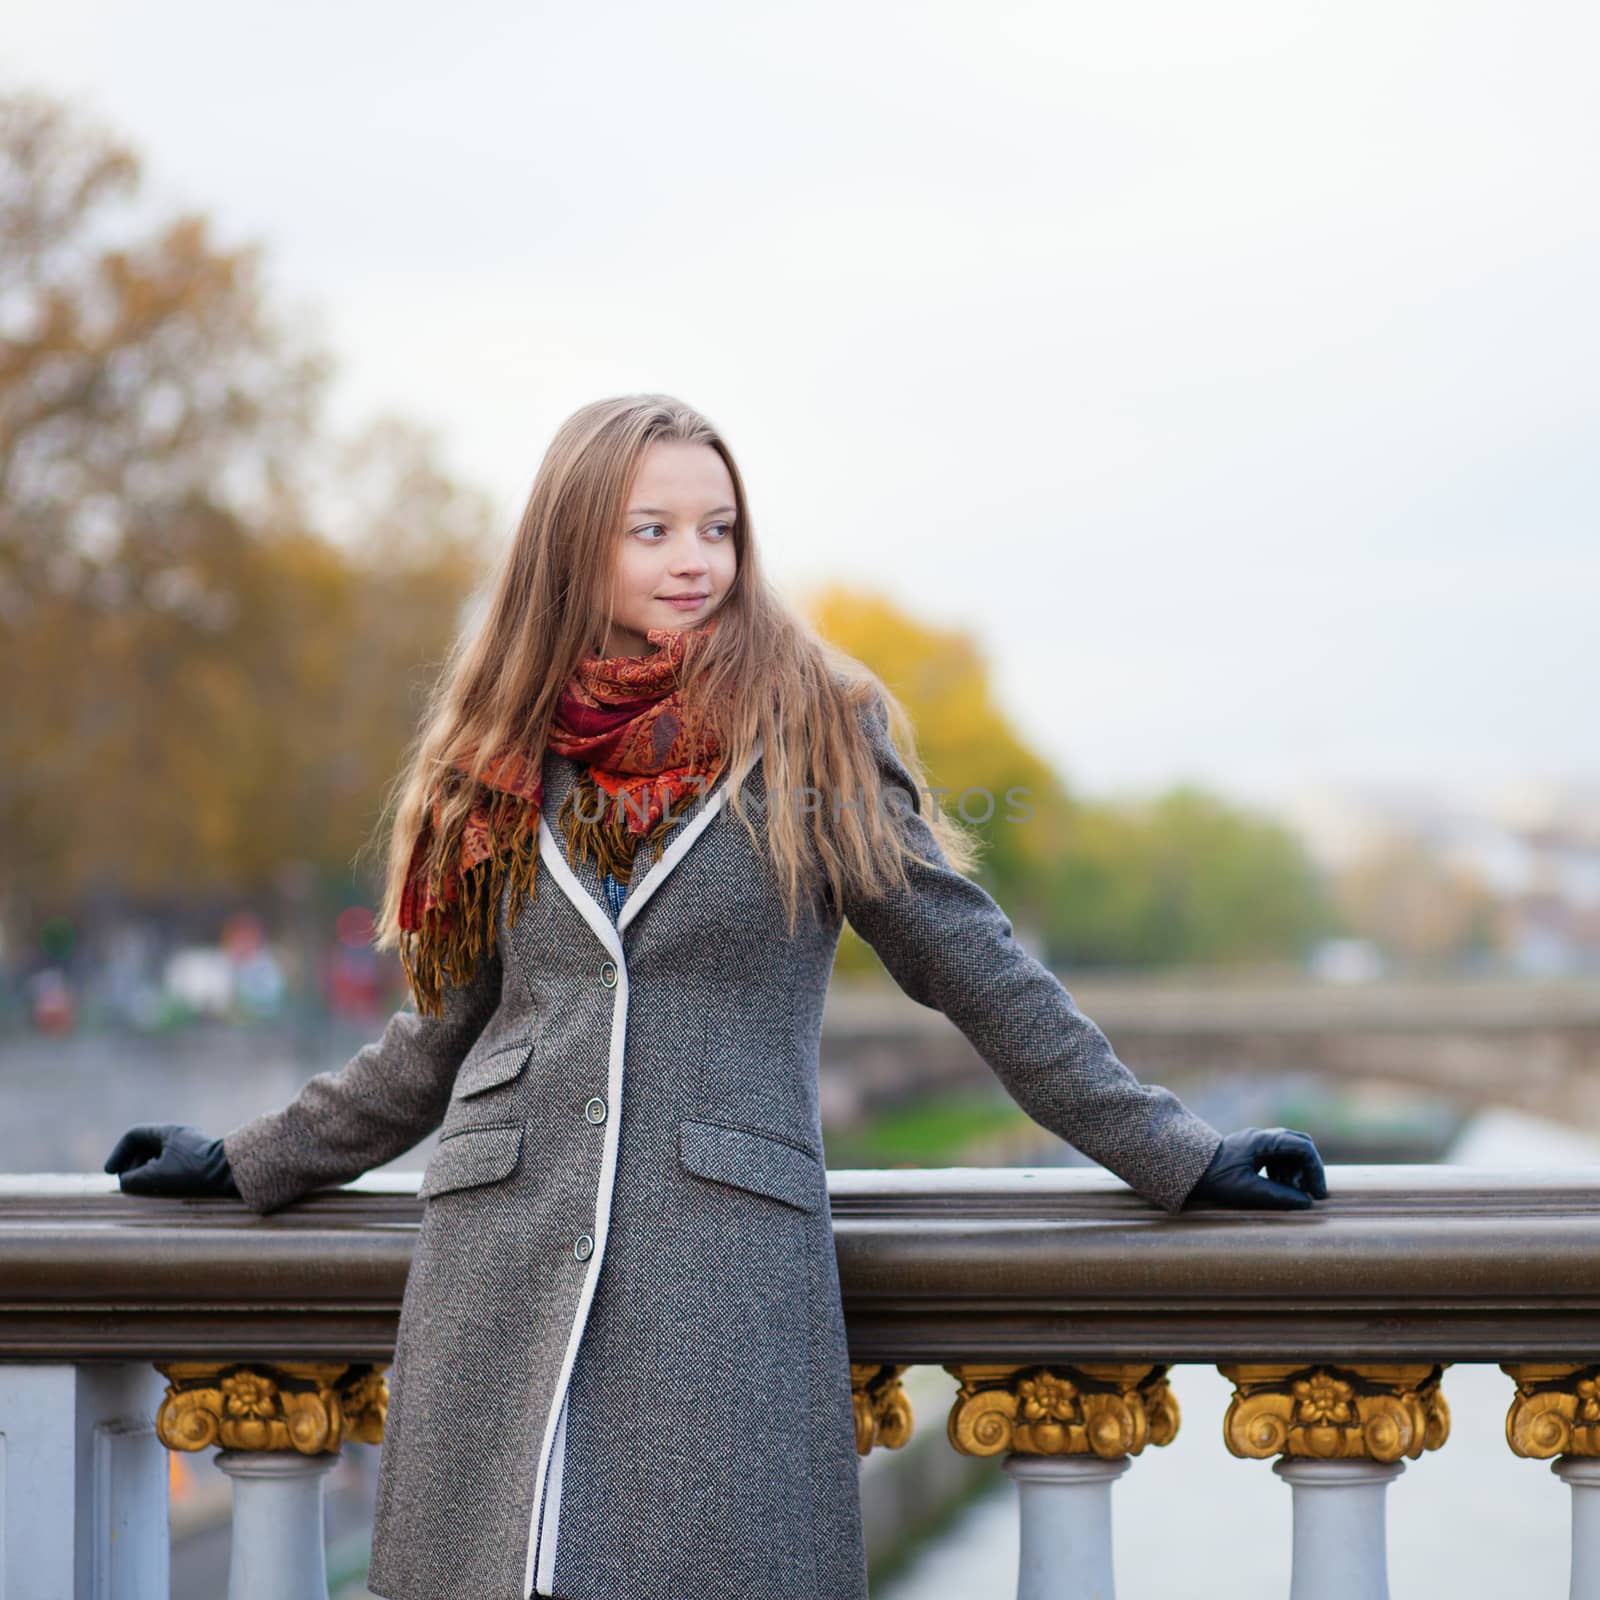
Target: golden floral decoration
x: 306, y: 1406
x: 1110, y: 1409
x: 1377, y: 1411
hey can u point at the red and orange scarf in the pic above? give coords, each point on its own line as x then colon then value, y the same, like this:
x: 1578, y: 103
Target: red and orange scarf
x: 643, y: 748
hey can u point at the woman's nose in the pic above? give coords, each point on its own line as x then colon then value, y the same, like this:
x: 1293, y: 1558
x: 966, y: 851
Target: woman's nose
x: 687, y: 556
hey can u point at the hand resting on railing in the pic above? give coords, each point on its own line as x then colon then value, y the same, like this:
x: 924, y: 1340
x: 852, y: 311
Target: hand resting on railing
x: 171, y: 1158
x: 1294, y: 1172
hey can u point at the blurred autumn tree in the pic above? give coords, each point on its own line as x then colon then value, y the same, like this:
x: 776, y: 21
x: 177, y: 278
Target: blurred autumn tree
x: 1185, y: 878
x: 964, y: 739
x: 217, y: 622
x: 201, y: 682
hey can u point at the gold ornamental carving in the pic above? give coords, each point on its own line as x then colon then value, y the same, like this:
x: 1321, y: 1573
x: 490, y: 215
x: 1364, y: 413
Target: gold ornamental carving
x: 308, y: 1406
x: 1556, y: 1409
x: 883, y: 1413
x: 1379, y: 1412
x: 1106, y: 1409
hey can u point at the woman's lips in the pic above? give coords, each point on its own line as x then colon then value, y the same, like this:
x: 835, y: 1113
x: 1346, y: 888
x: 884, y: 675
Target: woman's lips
x: 686, y: 602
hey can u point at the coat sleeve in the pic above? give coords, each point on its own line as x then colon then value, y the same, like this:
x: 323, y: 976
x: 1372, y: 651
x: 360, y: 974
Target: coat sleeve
x: 390, y: 1095
x: 950, y: 947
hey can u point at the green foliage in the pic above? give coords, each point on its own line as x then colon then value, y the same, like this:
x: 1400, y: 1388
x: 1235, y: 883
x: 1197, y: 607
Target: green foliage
x: 1185, y: 879
x: 931, y: 1131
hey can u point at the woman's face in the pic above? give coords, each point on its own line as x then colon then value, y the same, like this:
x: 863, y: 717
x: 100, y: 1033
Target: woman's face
x: 677, y: 540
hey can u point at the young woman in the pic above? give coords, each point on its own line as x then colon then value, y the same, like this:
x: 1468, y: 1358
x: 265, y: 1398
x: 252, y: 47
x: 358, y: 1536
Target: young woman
x: 644, y: 801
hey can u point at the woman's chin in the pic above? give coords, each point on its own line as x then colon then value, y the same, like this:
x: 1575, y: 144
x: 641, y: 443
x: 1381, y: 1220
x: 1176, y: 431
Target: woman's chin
x: 677, y: 620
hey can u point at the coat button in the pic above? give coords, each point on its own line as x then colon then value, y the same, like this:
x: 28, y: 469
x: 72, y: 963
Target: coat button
x: 608, y: 974
x: 595, y: 1110
x: 584, y: 1247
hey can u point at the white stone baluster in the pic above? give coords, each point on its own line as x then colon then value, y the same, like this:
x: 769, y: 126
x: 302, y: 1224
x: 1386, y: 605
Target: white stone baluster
x: 1556, y: 1413
x: 1067, y: 1434
x: 280, y: 1426
x: 1341, y: 1431
x: 1582, y: 1476
x: 278, y: 1549
x: 1340, y: 1545
x: 1065, y: 1537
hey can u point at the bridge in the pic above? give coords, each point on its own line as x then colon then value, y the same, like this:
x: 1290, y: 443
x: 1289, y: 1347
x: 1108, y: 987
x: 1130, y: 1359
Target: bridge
x: 1532, y: 1046
x: 1058, y: 1299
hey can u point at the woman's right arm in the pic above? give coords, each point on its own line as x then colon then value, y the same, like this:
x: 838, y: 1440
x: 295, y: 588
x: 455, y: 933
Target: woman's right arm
x: 950, y: 946
x: 390, y: 1096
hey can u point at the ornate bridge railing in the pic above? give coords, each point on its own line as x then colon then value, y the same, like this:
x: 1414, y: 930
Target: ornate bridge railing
x: 1058, y: 1299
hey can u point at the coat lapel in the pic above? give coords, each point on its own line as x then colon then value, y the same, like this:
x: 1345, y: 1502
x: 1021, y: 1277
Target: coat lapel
x: 676, y: 845
x: 579, y: 880
x: 560, y: 774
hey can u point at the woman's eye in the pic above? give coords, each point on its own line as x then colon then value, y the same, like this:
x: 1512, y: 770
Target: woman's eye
x: 720, y: 530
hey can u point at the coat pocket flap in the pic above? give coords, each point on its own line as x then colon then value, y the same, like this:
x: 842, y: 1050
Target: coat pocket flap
x: 474, y: 1155
x: 499, y: 1065
x: 750, y: 1160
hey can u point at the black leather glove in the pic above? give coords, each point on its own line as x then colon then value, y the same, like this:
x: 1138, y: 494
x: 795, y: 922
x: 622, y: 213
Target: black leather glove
x: 1294, y: 1172
x: 171, y: 1158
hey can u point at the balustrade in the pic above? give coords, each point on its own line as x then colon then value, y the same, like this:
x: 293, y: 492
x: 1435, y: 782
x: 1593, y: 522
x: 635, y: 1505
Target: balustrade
x: 1060, y: 1302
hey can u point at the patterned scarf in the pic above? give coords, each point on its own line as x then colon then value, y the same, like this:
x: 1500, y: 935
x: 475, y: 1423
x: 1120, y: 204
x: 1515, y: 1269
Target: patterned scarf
x: 643, y: 749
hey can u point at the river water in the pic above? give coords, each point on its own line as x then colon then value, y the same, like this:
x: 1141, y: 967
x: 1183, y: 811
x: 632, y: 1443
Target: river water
x: 1192, y: 1522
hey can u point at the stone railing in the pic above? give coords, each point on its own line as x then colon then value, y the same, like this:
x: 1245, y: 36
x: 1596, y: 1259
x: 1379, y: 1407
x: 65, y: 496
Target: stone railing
x: 1059, y: 1301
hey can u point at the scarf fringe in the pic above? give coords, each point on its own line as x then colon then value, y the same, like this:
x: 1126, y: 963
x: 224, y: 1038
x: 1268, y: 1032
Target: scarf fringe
x: 595, y: 825
x: 455, y: 936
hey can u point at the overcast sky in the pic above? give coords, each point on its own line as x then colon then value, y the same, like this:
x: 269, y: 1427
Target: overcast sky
x: 1229, y: 370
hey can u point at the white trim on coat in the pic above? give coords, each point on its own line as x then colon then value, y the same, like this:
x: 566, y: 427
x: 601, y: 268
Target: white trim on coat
x: 539, y: 1568
x: 558, y: 1461
x: 544, y: 1526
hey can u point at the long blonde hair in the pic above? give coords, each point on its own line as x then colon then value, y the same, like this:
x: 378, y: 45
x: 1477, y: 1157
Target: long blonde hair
x: 548, y: 606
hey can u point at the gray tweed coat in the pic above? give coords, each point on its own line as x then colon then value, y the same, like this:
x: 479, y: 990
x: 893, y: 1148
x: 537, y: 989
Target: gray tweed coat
x: 621, y: 1370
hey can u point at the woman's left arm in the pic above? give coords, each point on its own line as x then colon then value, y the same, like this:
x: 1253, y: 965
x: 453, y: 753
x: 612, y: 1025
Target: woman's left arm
x: 949, y: 946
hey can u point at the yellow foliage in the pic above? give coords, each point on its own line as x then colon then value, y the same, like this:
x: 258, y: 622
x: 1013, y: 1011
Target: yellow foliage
x: 968, y: 746
x: 965, y: 740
